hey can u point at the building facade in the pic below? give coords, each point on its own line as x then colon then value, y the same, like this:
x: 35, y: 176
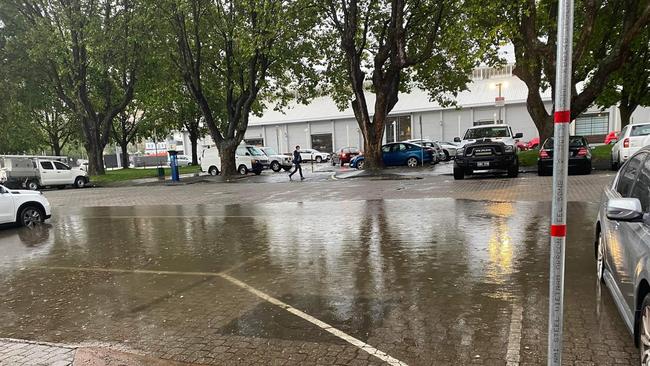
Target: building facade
x: 321, y: 125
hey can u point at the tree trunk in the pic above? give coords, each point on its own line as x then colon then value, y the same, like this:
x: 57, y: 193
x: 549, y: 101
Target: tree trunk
x: 95, y: 159
x: 125, y: 154
x: 626, y: 113
x: 227, y: 156
x: 546, y: 128
x: 56, y: 148
x: 195, y: 155
x: 372, y: 153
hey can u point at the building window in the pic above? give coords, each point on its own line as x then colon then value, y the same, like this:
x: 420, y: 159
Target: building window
x: 593, y: 124
x: 399, y: 127
x: 322, y: 142
x: 254, y: 142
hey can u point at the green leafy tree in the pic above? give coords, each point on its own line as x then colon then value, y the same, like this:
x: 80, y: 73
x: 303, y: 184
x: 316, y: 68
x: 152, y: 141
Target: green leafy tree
x: 388, y: 47
x: 604, y: 34
x: 235, y: 56
x: 630, y: 85
x: 92, y: 52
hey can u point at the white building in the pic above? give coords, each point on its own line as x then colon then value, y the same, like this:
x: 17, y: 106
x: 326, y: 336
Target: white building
x: 322, y: 126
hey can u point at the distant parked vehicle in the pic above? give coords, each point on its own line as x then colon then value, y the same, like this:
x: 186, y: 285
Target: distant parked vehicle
x: 521, y: 146
x: 277, y: 161
x: 26, y: 208
x: 630, y: 140
x: 344, y: 155
x: 399, y: 154
x: 315, y: 155
x: 622, y: 247
x: 490, y: 147
x: 449, y: 148
x: 248, y: 158
x: 438, y: 152
x: 611, y: 138
x: 533, y: 143
x: 182, y: 160
x: 34, y: 173
x: 579, y: 156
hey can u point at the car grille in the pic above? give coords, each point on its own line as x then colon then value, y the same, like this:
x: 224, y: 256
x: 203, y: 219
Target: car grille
x: 483, y: 151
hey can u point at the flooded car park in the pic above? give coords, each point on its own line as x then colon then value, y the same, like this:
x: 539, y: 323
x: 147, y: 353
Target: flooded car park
x: 408, y: 281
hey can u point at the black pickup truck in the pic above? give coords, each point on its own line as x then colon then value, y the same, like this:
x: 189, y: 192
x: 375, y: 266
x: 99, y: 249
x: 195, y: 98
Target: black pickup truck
x: 486, y: 154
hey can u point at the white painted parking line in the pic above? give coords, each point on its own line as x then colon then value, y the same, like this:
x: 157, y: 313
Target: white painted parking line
x: 224, y: 274
x: 326, y: 327
x: 513, y: 355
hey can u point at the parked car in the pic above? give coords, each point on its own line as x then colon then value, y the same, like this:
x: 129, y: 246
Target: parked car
x: 533, y: 143
x: 611, y: 137
x: 26, y: 208
x: 399, y: 153
x: 34, y: 173
x: 490, y: 147
x: 521, y: 146
x: 277, y: 161
x: 579, y: 156
x: 449, y: 148
x: 438, y: 152
x: 182, y: 160
x: 630, y: 140
x: 622, y: 247
x: 248, y: 158
x: 315, y: 155
x: 344, y: 155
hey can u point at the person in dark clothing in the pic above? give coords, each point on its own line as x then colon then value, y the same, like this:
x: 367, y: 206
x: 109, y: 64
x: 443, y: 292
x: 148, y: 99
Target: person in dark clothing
x: 297, y: 159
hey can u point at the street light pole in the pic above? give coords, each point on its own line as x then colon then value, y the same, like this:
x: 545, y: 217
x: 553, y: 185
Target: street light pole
x: 499, y: 86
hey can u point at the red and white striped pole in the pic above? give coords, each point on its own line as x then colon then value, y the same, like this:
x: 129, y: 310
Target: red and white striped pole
x: 560, y: 177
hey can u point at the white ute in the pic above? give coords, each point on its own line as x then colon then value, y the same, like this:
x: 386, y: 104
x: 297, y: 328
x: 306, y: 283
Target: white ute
x: 26, y: 208
x: 34, y: 173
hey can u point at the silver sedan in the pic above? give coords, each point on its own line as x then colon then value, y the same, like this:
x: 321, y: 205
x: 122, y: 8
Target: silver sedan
x: 623, y: 247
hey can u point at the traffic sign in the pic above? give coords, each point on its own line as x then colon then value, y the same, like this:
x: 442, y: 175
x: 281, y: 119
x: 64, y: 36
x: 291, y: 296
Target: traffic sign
x: 499, y: 101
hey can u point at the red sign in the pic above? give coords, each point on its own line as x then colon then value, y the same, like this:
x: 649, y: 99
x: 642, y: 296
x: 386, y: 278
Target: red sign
x: 499, y: 101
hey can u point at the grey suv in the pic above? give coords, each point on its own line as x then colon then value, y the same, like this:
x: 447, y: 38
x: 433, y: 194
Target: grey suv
x: 623, y: 246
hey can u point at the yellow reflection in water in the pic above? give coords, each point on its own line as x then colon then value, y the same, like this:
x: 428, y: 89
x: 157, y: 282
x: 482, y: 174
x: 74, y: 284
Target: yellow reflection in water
x: 500, y: 249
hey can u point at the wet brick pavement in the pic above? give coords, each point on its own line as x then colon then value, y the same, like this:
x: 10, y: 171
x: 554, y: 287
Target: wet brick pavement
x: 300, y: 273
x: 20, y: 353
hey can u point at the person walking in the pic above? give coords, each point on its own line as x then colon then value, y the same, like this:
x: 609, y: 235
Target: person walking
x: 297, y: 160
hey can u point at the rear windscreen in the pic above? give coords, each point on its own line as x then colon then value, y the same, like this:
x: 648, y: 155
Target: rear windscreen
x: 640, y: 130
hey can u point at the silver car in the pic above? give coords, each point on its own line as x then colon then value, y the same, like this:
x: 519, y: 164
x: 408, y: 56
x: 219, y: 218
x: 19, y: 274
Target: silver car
x: 623, y: 246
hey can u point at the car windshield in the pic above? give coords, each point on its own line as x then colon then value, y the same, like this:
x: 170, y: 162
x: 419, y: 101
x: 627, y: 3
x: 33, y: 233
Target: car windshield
x: 643, y: 130
x: 486, y: 132
x: 254, y: 151
x: 575, y: 141
x: 269, y: 151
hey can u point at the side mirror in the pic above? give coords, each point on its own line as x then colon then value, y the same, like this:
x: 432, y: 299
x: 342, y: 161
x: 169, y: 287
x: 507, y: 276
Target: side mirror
x: 248, y: 154
x: 456, y: 139
x: 519, y: 135
x: 624, y: 209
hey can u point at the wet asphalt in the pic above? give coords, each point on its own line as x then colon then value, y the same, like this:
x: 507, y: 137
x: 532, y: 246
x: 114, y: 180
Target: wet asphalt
x: 424, y: 281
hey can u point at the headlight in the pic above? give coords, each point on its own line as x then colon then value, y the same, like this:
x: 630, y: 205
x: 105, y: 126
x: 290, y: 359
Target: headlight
x: 460, y: 152
x: 510, y: 148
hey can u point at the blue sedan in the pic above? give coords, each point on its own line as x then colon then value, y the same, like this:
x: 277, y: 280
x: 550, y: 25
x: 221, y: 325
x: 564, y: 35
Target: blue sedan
x: 399, y: 153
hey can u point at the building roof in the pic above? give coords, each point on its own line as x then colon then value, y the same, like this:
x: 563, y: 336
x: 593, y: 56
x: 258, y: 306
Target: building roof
x: 480, y: 93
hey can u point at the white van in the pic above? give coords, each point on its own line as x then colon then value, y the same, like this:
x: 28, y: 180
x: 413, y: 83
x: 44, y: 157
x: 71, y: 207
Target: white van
x: 248, y: 158
x: 630, y: 140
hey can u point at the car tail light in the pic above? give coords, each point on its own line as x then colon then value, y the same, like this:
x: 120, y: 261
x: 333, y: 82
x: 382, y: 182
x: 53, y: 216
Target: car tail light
x: 543, y: 153
x: 582, y: 151
x: 626, y: 142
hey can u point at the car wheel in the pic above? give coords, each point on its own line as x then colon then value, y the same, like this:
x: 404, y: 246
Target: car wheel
x: 319, y: 159
x: 361, y: 164
x: 275, y: 166
x: 257, y: 172
x: 32, y: 185
x: 30, y: 216
x: 213, y: 170
x: 614, y: 163
x: 80, y: 182
x: 513, y: 171
x: 447, y: 157
x: 459, y: 173
x: 242, y: 170
x: 412, y: 162
x: 542, y: 172
x: 587, y: 169
x: 644, y: 331
x: 600, y: 258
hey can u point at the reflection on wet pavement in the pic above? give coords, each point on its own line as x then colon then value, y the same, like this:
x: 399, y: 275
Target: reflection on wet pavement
x: 436, y: 281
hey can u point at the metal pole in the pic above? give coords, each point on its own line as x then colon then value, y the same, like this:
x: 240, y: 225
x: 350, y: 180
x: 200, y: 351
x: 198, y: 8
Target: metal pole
x: 499, y: 84
x: 562, y: 119
x: 421, y: 138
